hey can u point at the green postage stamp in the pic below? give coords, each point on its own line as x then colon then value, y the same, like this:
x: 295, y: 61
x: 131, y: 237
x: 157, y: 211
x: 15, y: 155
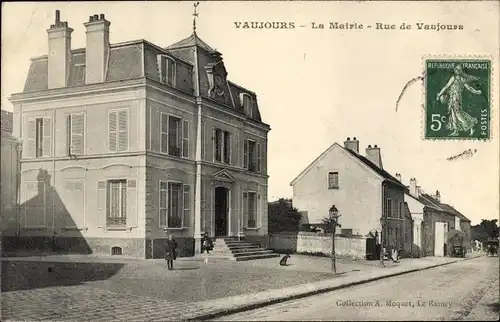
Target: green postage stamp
x: 457, y: 98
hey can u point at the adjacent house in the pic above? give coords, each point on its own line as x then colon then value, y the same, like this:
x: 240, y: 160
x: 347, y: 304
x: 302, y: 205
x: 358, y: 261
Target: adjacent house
x: 124, y: 141
x: 360, y: 188
x: 10, y: 176
x: 433, y: 221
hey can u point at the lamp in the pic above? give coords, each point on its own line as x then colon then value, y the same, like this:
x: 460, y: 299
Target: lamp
x: 334, y: 216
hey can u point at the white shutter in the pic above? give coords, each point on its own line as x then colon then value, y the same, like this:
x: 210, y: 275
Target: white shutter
x: 123, y: 130
x: 131, y: 203
x: 245, y: 154
x: 47, y: 137
x: 245, y: 209
x: 185, y: 139
x: 259, y: 158
x: 77, y: 134
x: 186, y: 202
x: 112, y: 131
x: 101, y: 204
x: 31, y: 136
x: 258, y: 220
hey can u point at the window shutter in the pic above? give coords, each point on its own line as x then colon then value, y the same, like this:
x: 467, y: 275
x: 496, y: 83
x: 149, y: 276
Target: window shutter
x: 123, y: 130
x: 77, y: 129
x: 186, y: 202
x: 113, y: 131
x: 131, y: 203
x: 164, y: 133
x: 245, y: 209
x: 258, y: 157
x: 258, y: 220
x: 185, y: 139
x: 245, y: 154
x: 101, y: 204
x: 47, y: 136
x: 31, y: 135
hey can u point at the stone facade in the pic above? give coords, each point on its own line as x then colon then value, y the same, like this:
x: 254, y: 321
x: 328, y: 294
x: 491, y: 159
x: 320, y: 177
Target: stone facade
x: 116, y: 159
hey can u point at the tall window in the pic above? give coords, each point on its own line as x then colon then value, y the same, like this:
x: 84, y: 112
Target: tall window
x: 118, y: 130
x: 333, y: 180
x: 174, y: 136
x: 389, y: 208
x: 251, y: 208
x: 222, y: 146
x: 174, y: 204
x: 167, y: 70
x: 252, y: 156
x: 117, y: 203
x: 39, y: 137
x: 75, y: 134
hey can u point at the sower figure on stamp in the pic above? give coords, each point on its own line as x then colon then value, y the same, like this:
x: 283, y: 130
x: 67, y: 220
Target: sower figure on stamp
x: 459, y: 120
x: 170, y: 251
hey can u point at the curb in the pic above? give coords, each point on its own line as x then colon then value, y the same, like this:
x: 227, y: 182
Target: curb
x: 263, y: 303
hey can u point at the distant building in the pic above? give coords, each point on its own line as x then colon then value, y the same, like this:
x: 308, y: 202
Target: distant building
x: 433, y: 221
x: 362, y: 191
x: 9, y: 176
x: 124, y: 141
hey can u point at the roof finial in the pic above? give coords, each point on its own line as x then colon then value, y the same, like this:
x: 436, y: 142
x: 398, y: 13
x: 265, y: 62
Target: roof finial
x: 195, y: 15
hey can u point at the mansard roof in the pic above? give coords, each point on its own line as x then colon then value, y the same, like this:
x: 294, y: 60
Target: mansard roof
x: 138, y: 58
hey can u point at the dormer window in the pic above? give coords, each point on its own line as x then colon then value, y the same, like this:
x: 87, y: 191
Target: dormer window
x: 167, y: 70
x: 246, y: 103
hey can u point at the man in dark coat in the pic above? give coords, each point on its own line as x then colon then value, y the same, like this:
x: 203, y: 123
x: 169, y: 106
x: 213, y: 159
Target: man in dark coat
x: 170, y: 251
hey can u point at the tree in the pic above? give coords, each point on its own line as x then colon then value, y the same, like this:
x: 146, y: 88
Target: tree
x: 485, y: 230
x: 328, y: 223
x: 282, y: 217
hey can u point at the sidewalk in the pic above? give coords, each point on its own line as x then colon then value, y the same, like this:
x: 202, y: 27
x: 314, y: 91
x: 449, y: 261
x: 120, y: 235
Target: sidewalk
x: 131, y: 289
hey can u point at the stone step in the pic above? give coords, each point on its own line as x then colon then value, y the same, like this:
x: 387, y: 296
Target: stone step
x: 251, y: 257
x: 259, y: 252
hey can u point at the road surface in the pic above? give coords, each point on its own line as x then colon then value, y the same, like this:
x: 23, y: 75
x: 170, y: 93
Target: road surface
x: 466, y: 290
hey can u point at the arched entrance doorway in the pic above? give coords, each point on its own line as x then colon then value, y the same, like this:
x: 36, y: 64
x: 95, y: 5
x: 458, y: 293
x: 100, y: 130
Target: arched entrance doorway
x: 221, y: 211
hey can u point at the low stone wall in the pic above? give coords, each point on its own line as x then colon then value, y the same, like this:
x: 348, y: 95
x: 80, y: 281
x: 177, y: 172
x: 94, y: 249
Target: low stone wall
x: 305, y: 242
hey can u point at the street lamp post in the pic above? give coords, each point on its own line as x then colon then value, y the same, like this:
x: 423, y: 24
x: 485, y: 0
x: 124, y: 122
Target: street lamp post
x: 334, y: 215
x: 382, y: 224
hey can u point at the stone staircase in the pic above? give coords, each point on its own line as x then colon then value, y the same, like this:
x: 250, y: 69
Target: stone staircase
x: 239, y: 250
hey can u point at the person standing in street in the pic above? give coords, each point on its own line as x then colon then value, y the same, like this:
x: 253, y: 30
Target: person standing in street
x: 170, y: 251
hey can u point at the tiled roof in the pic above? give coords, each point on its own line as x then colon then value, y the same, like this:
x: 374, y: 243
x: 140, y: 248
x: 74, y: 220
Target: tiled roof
x: 6, y: 121
x: 386, y: 175
x: 192, y: 40
x: 454, y: 211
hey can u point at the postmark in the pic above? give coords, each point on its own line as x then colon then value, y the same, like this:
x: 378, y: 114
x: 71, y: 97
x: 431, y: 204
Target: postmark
x: 457, y: 100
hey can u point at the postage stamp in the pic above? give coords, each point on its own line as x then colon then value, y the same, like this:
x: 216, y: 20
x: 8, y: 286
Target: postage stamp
x: 457, y: 98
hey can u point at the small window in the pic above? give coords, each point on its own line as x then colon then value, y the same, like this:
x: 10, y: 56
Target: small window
x: 333, y: 180
x: 246, y: 103
x: 167, y: 70
x: 79, y: 73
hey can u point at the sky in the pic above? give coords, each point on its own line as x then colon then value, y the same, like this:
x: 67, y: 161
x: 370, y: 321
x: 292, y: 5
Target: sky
x: 314, y: 87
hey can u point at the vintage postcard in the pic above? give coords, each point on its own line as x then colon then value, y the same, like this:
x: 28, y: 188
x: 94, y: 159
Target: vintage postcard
x: 250, y: 160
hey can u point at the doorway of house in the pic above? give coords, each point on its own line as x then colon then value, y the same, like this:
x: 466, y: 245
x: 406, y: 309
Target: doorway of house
x: 439, y: 241
x: 221, y: 211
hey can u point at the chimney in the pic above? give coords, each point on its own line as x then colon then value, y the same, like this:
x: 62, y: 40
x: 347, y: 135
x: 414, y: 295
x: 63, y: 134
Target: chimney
x: 352, y: 145
x: 437, y: 196
x: 373, y: 154
x: 97, y: 49
x: 59, y: 55
x: 414, y: 190
x: 398, y: 176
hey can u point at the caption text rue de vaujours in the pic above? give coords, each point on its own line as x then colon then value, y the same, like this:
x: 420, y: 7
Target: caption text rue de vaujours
x: 347, y: 25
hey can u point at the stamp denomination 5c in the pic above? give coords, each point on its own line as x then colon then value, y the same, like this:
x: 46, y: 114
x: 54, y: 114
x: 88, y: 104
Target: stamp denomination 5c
x: 457, y: 98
